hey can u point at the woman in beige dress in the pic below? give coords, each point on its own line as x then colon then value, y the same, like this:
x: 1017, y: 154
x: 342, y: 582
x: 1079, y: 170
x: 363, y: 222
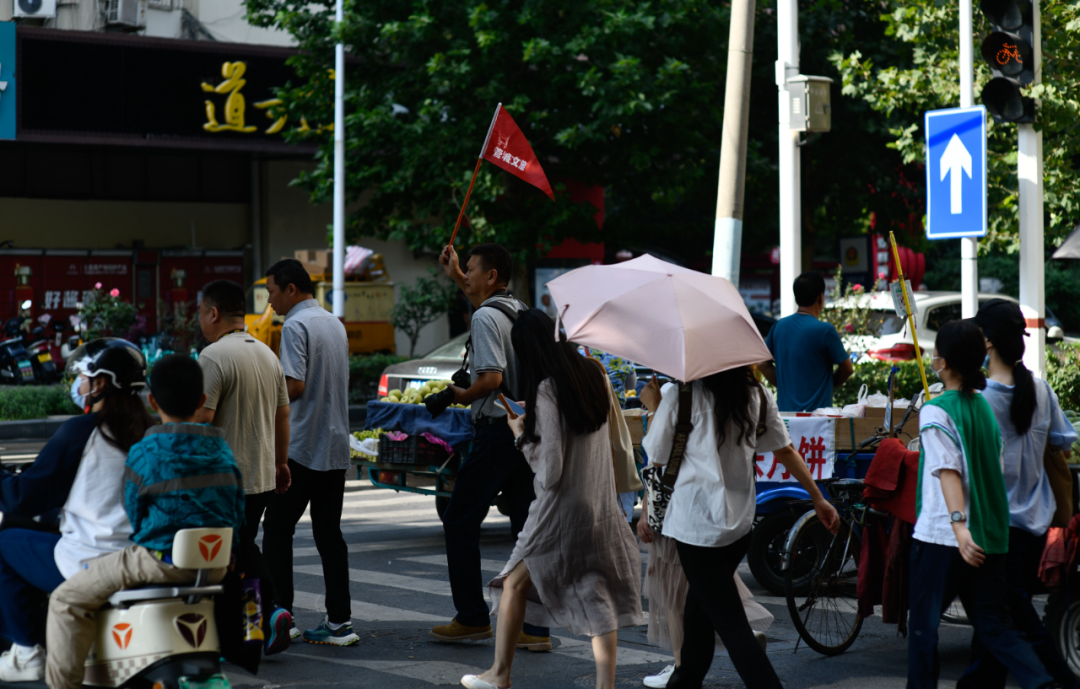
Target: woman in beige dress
x: 575, y: 564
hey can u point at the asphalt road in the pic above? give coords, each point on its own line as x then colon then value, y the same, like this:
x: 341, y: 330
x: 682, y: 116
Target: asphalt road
x: 399, y: 589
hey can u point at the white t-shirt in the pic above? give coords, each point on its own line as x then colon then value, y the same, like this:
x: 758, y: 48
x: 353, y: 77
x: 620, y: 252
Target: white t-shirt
x: 93, y: 521
x: 714, y: 499
x: 942, y: 449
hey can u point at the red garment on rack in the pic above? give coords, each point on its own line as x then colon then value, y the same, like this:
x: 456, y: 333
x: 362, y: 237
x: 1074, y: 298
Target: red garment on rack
x: 891, y: 485
x: 893, y: 479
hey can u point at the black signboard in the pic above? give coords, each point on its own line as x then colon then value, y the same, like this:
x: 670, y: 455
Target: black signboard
x: 157, y: 91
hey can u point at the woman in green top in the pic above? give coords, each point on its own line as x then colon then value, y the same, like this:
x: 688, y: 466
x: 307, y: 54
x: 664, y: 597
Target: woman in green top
x: 961, y: 533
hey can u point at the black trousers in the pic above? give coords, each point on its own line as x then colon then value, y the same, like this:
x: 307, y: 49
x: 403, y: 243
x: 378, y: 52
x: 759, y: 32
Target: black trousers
x: 325, y: 491
x: 713, y: 604
x: 1022, y: 575
x: 250, y: 559
x: 493, y: 465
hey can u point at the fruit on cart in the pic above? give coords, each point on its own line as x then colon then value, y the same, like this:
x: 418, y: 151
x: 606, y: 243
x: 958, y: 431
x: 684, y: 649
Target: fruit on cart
x: 364, y: 435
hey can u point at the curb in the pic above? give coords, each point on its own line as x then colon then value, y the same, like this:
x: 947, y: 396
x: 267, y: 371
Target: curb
x: 43, y: 429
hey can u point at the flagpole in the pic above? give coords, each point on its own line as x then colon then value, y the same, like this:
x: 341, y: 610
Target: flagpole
x: 476, y: 171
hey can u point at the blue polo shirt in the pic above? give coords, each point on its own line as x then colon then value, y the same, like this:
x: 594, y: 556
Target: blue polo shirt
x: 805, y: 351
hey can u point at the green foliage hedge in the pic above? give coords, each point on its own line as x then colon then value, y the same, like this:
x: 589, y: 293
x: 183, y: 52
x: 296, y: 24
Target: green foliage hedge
x: 1062, y: 372
x: 364, y: 373
x: 35, y: 402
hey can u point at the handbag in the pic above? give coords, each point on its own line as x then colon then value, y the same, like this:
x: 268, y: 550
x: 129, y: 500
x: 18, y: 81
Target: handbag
x: 660, y: 487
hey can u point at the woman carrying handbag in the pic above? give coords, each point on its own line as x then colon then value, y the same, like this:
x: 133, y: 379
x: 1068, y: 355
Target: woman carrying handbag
x: 709, y: 507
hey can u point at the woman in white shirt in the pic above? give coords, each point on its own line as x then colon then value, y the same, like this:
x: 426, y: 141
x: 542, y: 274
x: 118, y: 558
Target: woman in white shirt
x: 81, y: 471
x: 1030, y: 418
x: 711, y: 512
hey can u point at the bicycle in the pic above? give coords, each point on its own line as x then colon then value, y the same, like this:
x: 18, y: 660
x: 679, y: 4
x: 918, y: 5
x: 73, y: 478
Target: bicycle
x: 821, y: 569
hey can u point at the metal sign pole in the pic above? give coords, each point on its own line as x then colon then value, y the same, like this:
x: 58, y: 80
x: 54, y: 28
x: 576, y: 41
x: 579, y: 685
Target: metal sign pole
x: 339, y: 170
x: 969, y: 246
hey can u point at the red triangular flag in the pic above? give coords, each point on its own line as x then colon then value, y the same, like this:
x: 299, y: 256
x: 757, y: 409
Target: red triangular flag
x: 507, y: 147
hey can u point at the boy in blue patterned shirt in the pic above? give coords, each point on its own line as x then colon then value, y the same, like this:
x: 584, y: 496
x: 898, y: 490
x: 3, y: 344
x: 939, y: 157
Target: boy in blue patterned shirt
x: 181, y: 475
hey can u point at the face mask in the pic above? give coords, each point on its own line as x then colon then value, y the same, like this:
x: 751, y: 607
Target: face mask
x: 986, y: 362
x: 77, y: 397
x: 937, y: 372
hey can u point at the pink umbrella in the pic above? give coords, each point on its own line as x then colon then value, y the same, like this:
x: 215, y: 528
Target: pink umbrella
x: 674, y: 320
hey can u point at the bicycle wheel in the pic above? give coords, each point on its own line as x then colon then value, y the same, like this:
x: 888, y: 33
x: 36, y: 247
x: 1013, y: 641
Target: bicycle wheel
x: 826, y: 613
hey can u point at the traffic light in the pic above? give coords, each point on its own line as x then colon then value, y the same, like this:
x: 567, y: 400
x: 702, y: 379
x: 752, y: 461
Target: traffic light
x: 1010, y: 54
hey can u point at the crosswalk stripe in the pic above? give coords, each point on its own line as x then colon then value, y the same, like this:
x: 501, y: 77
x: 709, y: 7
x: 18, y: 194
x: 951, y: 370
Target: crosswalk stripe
x: 400, y: 581
x: 401, y: 544
x: 364, y: 612
x: 440, y: 560
x: 430, y: 671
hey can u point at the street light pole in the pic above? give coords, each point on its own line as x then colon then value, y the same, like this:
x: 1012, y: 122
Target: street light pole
x: 730, y: 193
x: 339, y: 170
x: 1029, y: 172
x: 787, y: 65
x: 969, y: 247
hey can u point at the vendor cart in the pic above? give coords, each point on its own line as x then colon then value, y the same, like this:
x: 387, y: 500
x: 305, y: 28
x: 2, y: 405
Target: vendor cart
x: 426, y: 461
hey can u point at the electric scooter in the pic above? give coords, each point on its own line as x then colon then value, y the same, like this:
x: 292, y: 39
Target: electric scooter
x: 15, y: 366
x: 39, y: 348
x: 165, y: 637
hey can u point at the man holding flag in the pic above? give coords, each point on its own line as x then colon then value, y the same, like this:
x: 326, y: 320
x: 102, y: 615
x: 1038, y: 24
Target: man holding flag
x: 494, y: 465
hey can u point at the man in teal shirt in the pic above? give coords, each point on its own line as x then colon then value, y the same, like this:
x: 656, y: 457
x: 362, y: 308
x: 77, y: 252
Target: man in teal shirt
x: 804, y: 351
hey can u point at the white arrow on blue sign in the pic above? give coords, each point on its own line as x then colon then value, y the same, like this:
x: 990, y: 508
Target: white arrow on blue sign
x: 956, y: 173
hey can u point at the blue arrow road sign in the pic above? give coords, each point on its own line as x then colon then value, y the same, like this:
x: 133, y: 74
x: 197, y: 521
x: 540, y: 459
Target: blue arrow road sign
x: 956, y: 173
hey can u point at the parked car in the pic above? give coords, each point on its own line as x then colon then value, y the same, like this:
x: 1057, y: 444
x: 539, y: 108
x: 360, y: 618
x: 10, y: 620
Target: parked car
x: 894, y: 342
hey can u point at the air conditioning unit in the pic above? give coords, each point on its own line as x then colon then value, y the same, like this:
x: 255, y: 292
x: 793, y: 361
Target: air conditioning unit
x: 130, y: 13
x: 35, y: 8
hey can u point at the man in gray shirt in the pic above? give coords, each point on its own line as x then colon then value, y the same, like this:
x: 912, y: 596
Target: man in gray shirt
x: 493, y: 465
x: 315, y: 358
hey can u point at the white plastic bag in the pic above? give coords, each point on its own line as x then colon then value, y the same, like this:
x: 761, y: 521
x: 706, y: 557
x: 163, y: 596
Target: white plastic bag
x: 877, y: 400
x: 858, y: 410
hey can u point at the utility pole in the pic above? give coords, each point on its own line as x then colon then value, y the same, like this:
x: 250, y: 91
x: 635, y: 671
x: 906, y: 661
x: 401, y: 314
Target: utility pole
x: 339, y: 170
x: 1029, y: 172
x: 730, y: 193
x: 969, y: 246
x: 787, y: 66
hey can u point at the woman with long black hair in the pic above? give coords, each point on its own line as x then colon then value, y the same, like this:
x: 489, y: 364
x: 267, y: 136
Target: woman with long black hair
x: 575, y: 564
x: 712, y: 507
x: 1030, y: 418
x: 80, y: 471
x: 961, y: 537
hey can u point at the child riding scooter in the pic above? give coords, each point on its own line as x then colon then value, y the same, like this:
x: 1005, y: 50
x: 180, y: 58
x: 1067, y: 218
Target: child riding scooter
x: 180, y: 477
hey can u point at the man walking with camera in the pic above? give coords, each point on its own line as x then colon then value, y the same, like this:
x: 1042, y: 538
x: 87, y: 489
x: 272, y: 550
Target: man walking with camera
x: 493, y: 464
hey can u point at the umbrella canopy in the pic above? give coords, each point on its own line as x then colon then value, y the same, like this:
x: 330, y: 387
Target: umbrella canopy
x: 672, y: 319
x: 1070, y: 248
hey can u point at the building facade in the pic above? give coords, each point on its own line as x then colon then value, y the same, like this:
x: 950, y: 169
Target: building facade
x: 149, y: 127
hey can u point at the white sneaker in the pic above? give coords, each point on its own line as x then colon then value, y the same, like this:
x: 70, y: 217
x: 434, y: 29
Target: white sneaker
x: 660, y: 680
x: 22, y: 664
x: 294, y: 633
x: 762, y: 640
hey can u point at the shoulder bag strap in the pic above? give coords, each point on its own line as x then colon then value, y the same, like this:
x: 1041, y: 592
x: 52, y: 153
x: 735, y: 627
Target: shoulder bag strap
x: 682, y: 433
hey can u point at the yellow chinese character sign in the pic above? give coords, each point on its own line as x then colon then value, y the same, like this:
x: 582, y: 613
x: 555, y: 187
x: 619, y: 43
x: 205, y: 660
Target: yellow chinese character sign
x: 235, y: 104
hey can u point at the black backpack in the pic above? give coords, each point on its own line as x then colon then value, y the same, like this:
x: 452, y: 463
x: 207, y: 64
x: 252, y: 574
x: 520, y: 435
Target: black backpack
x: 463, y: 373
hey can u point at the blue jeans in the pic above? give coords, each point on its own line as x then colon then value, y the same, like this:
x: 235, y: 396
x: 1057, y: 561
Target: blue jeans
x: 939, y: 574
x: 492, y: 466
x: 1022, y: 576
x: 28, y: 574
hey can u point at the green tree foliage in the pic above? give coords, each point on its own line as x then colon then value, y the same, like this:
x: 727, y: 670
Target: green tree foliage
x: 608, y: 93
x: 923, y: 75
x: 625, y: 95
x: 421, y: 303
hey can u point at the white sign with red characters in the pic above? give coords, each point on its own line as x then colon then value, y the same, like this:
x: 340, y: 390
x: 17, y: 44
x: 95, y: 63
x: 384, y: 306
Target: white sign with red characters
x: 814, y: 439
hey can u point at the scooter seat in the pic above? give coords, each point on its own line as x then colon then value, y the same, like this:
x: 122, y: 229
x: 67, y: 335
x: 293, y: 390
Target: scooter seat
x: 129, y: 597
